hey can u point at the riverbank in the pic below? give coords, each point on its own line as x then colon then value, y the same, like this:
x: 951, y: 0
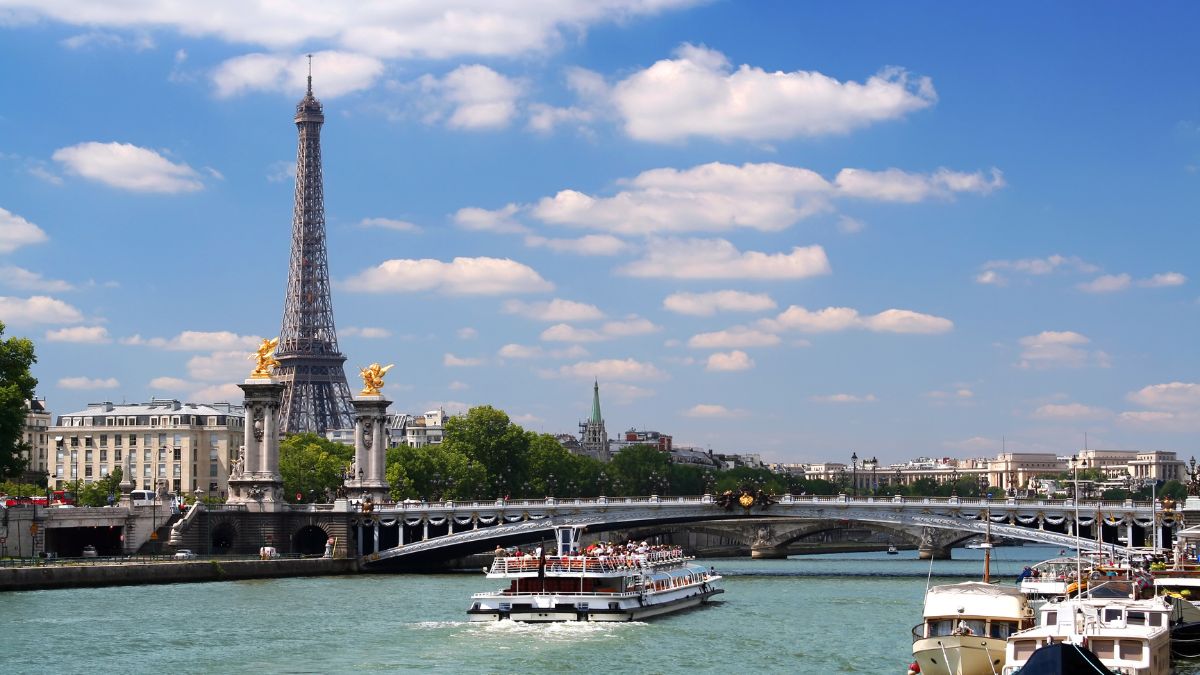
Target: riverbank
x: 69, y: 575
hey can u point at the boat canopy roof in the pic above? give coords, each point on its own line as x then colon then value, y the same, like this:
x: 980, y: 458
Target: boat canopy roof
x: 975, y: 598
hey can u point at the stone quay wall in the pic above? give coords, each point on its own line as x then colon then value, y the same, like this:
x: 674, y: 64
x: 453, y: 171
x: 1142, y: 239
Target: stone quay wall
x: 168, y: 572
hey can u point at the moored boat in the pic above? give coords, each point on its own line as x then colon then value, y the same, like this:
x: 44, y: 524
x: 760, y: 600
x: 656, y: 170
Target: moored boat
x: 966, y: 627
x: 601, y: 586
x: 1128, y: 632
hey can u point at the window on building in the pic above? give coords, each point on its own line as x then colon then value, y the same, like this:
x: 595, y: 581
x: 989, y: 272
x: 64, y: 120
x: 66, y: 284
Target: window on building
x: 74, y: 472
x: 132, y: 440
x: 87, y: 456
x: 146, y: 470
x: 146, y: 455
x: 212, y: 470
x: 175, y: 471
x: 162, y: 470
x: 153, y: 421
x: 104, y: 440
x: 103, y: 454
x: 117, y: 455
x: 162, y: 454
x: 117, y: 440
x: 178, y: 454
x: 74, y: 441
x: 178, y: 440
x: 58, y: 471
x: 103, y: 471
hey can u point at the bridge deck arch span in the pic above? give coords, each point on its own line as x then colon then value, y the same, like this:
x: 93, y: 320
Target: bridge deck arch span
x: 507, y: 523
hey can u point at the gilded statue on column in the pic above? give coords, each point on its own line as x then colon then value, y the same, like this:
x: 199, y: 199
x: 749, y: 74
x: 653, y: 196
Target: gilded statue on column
x: 372, y: 377
x: 264, y: 359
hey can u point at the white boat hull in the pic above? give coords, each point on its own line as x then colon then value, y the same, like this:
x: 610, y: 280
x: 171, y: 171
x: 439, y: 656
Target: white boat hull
x: 959, y: 655
x: 566, y: 608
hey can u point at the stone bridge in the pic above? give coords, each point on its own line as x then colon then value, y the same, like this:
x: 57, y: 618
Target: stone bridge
x: 404, y: 535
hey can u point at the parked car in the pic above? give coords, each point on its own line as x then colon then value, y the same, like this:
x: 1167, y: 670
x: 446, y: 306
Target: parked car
x: 184, y: 554
x: 89, y: 551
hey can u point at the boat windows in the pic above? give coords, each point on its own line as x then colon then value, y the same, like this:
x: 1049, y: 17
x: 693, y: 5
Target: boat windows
x: 1131, y: 650
x: 1135, y: 619
x: 1112, y: 616
x: 1105, y: 649
x: 972, y: 627
x: 1051, y: 618
x: 940, y: 627
x: 1002, y: 629
x: 1156, y: 619
x: 1023, y: 649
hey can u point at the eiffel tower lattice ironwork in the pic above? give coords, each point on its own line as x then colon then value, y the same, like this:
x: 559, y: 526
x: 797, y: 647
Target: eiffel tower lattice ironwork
x: 316, y: 397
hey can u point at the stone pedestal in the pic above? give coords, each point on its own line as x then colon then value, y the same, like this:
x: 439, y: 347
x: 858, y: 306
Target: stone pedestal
x: 255, y: 481
x: 368, y: 479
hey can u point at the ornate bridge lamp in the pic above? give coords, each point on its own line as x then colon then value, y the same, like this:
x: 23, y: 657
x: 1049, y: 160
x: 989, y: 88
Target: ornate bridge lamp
x: 551, y: 485
x: 1076, y: 463
x: 954, y: 481
x: 1193, y: 484
x: 708, y: 482
x: 854, y: 473
x: 602, y: 482
x: 899, y: 479
x: 874, y: 484
x: 983, y: 487
x: 842, y: 479
x: 435, y: 485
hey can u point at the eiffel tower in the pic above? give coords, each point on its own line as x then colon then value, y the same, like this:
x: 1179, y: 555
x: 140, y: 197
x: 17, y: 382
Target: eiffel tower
x: 316, y: 397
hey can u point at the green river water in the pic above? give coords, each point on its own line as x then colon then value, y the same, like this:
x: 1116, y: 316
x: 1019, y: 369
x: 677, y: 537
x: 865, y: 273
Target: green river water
x: 838, y: 613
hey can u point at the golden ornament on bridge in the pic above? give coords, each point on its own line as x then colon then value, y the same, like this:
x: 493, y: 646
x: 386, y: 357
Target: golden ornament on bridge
x: 265, y: 359
x: 372, y: 377
x: 746, y: 500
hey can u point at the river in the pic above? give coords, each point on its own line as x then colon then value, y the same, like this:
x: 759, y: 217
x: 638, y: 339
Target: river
x: 837, y: 613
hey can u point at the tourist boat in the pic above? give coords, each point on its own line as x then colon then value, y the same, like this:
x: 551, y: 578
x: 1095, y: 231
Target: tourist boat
x: 572, y: 586
x: 892, y: 549
x: 1120, y: 622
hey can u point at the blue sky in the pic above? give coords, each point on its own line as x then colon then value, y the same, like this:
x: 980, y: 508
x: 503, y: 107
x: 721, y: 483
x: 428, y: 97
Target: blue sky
x: 788, y: 228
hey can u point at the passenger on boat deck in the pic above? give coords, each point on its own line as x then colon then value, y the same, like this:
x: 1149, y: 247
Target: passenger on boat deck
x: 963, y: 629
x: 499, y: 551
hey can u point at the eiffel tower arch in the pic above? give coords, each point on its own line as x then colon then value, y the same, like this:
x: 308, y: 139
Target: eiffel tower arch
x: 316, y: 397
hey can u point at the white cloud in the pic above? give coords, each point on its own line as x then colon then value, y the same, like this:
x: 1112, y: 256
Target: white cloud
x: 515, y: 351
x: 440, y: 30
x: 221, y: 366
x: 843, y: 398
x: 281, y: 171
x: 389, y: 224
x: 1163, y: 280
x: 698, y: 93
x: 80, y: 334
x: 336, y: 74
x: 88, y: 383
x: 832, y: 319
x: 1070, y: 412
x: 466, y: 333
x: 991, y: 271
x: 543, y: 118
x: 128, y: 167
x: 718, y: 197
x: 458, y: 386
x: 37, y: 309
x: 98, y: 39
x: 170, y: 384
x: 591, y: 244
x: 974, y: 445
x: 1108, y: 283
x: 16, y: 232
x: 473, y: 97
x: 711, y: 410
x: 19, y: 277
x: 719, y: 259
x: 729, y: 361
x: 1178, y: 396
x: 461, y: 276
x: 632, y: 326
x: 496, y: 220
x: 848, y: 225
x: 554, y: 310
x: 707, y: 304
x: 961, y: 393
x: 218, y: 392
x: 894, y: 185
x: 1111, y: 283
x: 366, y: 332
x: 610, y: 369
x: 451, y: 361
x: 198, y: 341
x: 1059, y: 349
x: 738, y: 336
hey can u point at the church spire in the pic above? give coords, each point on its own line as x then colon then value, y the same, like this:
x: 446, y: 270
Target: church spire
x: 596, y: 418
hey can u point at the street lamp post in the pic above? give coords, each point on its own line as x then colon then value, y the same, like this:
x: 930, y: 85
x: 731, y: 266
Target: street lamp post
x: 874, y: 465
x: 1075, y: 464
x: 854, y: 473
x: 899, y: 479
x: 550, y: 485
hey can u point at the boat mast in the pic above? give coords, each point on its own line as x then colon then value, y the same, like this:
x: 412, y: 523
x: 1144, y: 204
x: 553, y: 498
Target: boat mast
x: 987, y: 547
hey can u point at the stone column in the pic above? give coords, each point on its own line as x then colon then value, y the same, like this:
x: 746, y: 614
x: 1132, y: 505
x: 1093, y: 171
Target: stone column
x: 258, y: 484
x: 370, y: 447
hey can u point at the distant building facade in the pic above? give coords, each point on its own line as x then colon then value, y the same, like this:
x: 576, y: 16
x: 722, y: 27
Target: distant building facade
x: 417, y: 431
x: 37, y: 437
x: 187, y: 446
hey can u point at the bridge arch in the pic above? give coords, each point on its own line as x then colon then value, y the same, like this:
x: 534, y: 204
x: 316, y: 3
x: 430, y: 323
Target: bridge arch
x: 223, y: 537
x: 310, y: 540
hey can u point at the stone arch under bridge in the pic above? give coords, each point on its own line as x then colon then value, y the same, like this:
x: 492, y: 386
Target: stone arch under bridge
x: 772, y: 537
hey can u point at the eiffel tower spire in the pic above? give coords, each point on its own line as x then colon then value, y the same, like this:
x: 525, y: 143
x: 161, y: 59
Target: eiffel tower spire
x: 316, y: 397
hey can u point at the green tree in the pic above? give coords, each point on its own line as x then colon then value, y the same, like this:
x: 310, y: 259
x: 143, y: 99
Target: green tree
x: 1173, y: 489
x: 312, y: 465
x: 637, y: 466
x: 16, y: 387
x: 486, y: 436
x: 98, y: 493
x: 435, y: 472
